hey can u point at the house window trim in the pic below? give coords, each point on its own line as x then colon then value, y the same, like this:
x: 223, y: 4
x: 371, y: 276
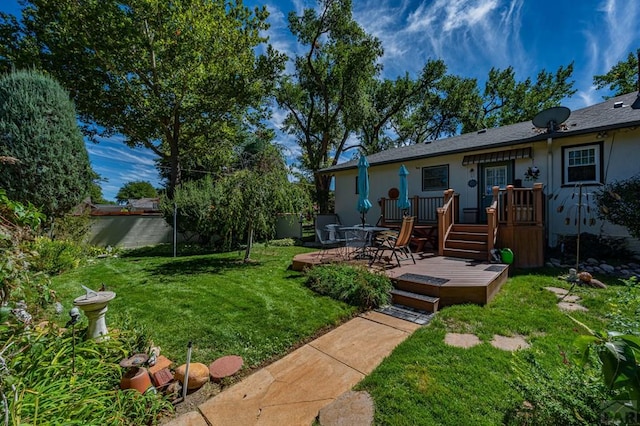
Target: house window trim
x: 446, y: 186
x: 599, y: 164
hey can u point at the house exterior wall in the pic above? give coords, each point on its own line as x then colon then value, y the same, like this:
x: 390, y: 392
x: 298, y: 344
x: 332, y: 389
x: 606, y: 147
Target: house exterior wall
x: 620, y: 160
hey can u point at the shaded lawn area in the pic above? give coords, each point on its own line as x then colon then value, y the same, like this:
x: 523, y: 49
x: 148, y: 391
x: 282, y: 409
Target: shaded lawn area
x: 426, y: 382
x: 258, y: 310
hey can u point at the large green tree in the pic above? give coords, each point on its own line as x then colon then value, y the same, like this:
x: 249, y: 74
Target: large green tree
x: 177, y: 77
x: 387, y: 102
x: 622, y: 77
x: 135, y: 190
x: 326, y: 93
x: 507, y: 101
x: 38, y: 127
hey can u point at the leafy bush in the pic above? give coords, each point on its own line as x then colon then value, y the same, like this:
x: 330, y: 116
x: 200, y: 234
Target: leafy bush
x: 72, y: 228
x: 561, y: 395
x: 55, y: 256
x: 44, y: 383
x: 355, y: 285
x: 619, y: 204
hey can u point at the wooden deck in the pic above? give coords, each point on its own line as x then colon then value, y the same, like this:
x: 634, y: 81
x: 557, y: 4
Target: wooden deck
x: 451, y: 280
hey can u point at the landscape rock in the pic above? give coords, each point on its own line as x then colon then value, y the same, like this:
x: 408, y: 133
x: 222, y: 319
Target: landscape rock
x: 198, y: 374
x: 592, y: 261
x: 607, y: 268
x: 569, y: 306
x: 509, y: 343
x: 350, y: 408
x: 461, y: 340
x: 597, y: 283
x: 225, y: 367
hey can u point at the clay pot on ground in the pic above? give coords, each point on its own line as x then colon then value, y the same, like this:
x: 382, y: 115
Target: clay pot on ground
x: 136, y: 378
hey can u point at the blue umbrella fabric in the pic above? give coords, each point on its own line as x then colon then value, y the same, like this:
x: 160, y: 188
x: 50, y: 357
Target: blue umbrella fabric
x: 403, y: 199
x: 363, y: 187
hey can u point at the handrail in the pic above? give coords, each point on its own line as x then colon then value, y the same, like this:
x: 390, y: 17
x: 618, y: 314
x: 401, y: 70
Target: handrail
x: 492, y: 221
x: 446, y: 219
x: 521, y: 206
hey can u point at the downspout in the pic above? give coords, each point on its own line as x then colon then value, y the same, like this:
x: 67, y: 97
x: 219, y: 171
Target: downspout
x: 549, y: 189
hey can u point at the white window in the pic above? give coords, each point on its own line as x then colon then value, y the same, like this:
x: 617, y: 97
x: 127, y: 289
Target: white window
x: 582, y: 164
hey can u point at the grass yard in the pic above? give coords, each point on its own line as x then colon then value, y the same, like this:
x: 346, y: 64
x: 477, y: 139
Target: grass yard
x: 258, y: 310
x: 426, y: 382
x: 262, y: 310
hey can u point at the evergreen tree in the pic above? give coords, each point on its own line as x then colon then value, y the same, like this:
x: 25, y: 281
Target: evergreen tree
x: 38, y: 127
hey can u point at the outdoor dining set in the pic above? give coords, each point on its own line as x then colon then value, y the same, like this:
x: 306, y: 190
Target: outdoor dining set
x: 368, y: 242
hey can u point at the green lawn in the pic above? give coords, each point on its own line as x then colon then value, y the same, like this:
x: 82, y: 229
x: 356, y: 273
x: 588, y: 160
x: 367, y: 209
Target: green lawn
x: 258, y: 310
x: 262, y: 310
x: 426, y: 382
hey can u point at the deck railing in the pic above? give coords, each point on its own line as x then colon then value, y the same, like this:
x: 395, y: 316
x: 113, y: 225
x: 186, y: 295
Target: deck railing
x: 446, y: 218
x: 425, y: 210
x: 492, y: 220
x: 521, y: 206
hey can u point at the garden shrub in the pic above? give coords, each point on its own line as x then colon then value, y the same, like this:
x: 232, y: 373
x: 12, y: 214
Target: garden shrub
x: 355, y: 285
x: 44, y: 383
x: 55, y: 256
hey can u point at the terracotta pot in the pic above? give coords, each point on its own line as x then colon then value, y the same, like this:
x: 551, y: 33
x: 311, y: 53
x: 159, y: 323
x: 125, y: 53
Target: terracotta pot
x: 136, y: 378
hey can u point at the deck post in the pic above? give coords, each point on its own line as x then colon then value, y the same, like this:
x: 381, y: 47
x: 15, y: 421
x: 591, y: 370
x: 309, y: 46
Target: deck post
x: 537, y: 199
x: 415, y: 208
x: 510, y: 207
x: 383, y: 210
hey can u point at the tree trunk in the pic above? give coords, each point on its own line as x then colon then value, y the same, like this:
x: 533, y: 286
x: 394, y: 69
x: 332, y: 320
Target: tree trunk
x: 322, y: 183
x: 247, y: 252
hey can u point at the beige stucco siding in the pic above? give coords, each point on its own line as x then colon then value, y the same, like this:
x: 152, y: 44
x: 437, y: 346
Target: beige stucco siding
x: 620, y: 156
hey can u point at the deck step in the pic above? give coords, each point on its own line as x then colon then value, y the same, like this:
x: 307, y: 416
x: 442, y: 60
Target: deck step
x: 478, y: 229
x: 467, y: 236
x: 420, y: 284
x: 414, y: 300
x: 466, y: 254
x: 466, y: 245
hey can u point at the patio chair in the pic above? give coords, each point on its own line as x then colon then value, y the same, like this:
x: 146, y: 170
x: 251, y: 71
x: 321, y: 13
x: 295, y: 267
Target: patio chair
x: 356, y: 243
x: 397, y: 244
x: 326, y: 244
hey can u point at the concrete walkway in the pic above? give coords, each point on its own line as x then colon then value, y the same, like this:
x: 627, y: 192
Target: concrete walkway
x: 292, y: 390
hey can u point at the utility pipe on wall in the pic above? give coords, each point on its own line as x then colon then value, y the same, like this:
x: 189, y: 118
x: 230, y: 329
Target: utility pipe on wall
x: 549, y: 188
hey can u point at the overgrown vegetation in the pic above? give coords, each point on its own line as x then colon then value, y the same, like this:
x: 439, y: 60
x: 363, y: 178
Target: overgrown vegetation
x: 355, y: 285
x: 48, y: 375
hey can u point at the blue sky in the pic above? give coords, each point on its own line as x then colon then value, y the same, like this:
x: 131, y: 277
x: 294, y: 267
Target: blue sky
x: 471, y: 36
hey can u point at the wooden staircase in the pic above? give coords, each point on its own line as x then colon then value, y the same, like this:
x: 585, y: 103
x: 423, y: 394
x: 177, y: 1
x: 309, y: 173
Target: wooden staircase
x: 467, y: 241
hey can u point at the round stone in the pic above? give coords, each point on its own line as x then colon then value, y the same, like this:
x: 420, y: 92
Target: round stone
x: 225, y: 367
x: 585, y: 277
x: 351, y: 408
x: 198, y: 374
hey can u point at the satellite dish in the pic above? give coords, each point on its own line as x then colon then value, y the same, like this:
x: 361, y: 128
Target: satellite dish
x: 551, y: 118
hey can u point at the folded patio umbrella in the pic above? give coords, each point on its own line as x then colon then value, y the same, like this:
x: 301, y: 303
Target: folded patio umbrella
x: 403, y: 198
x: 363, y: 187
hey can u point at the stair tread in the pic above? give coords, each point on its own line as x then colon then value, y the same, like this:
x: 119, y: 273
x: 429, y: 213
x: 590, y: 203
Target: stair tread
x: 415, y: 295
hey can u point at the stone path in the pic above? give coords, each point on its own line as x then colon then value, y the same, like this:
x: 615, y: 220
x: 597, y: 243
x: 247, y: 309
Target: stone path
x: 467, y: 341
x: 293, y: 390
x: 567, y: 303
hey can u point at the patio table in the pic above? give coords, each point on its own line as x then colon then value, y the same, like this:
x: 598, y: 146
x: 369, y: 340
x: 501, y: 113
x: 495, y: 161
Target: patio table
x: 361, y: 241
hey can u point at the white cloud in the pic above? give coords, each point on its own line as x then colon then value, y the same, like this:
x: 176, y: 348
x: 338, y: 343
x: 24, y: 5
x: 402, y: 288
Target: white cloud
x: 607, y: 41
